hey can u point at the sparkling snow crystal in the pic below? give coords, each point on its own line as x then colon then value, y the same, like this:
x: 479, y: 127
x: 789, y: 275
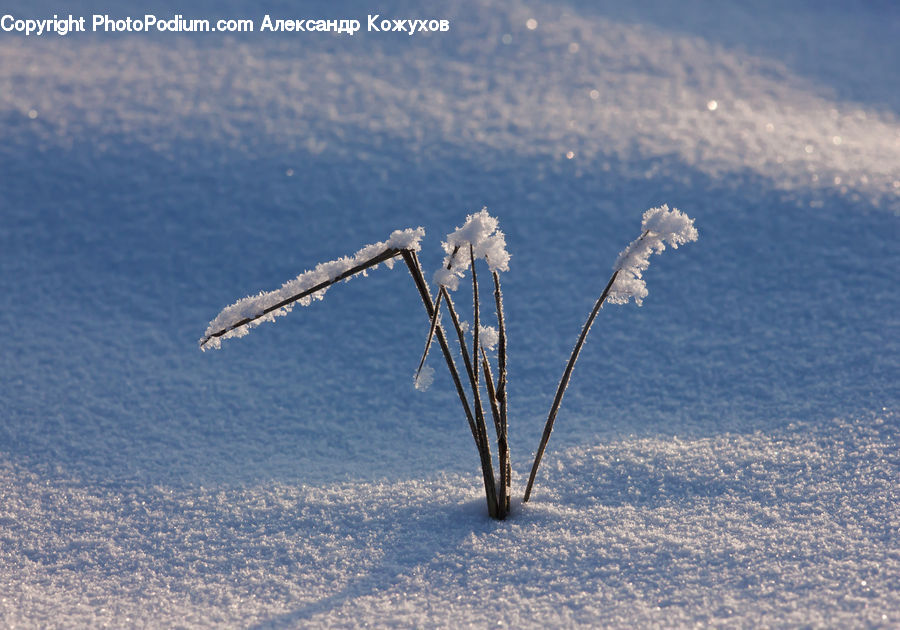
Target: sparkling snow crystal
x: 660, y: 225
x: 481, y: 231
x: 255, y: 305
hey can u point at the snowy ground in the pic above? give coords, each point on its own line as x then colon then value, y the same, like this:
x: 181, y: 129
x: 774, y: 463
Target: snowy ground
x: 726, y: 455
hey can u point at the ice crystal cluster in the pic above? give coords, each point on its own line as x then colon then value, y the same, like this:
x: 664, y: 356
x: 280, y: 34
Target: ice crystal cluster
x: 658, y: 227
x: 482, y: 232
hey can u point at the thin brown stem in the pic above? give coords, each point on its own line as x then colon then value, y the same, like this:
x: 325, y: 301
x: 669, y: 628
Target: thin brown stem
x: 434, y: 318
x: 485, y: 448
x: 505, y: 466
x: 467, y: 362
x: 563, y: 383
x: 502, y: 448
x: 434, y: 321
x: 415, y: 269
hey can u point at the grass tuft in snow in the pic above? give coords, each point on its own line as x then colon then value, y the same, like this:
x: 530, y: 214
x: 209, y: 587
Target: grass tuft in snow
x: 479, y: 239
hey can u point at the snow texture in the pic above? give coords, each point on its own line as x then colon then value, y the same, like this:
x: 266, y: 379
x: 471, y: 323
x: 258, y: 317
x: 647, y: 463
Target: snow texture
x: 727, y: 456
x: 254, y: 307
x: 658, y: 227
x: 479, y: 236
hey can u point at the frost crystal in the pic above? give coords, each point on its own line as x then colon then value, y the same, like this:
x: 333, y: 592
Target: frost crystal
x: 254, y: 305
x: 488, y: 337
x: 659, y: 226
x: 481, y: 231
x: 424, y: 379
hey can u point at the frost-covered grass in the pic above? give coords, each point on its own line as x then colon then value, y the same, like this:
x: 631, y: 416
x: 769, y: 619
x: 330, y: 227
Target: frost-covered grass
x: 481, y: 237
x: 237, y: 319
x: 729, y: 451
x: 658, y: 227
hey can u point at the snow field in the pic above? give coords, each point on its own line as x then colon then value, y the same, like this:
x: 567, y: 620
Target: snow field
x: 797, y: 527
x: 725, y: 455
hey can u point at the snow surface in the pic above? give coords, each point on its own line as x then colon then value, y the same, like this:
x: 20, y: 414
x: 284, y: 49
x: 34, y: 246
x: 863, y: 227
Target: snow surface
x: 726, y: 455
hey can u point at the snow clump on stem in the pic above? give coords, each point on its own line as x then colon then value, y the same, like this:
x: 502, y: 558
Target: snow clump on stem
x: 482, y: 232
x: 659, y: 226
x: 424, y: 378
x: 488, y: 337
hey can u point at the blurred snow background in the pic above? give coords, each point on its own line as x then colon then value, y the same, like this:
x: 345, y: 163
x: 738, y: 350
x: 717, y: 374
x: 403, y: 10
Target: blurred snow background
x: 726, y: 455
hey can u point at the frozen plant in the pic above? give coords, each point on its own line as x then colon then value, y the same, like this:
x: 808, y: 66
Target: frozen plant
x: 479, y: 239
x: 659, y: 226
